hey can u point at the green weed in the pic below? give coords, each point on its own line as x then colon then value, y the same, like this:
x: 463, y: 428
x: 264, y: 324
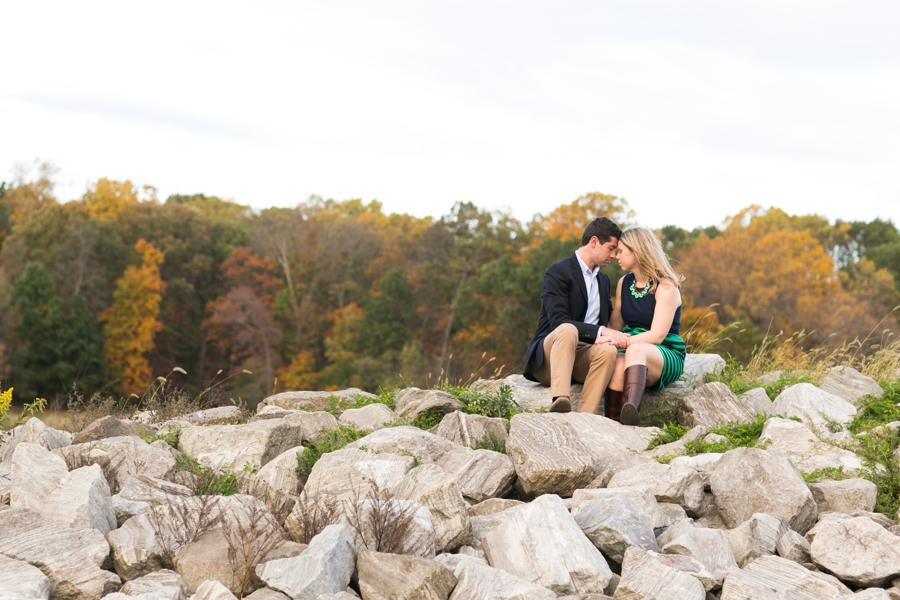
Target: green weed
x: 331, y: 441
x: 207, y: 481
x: 427, y: 420
x: 170, y: 436
x: 499, y: 404
x: 833, y: 473
x: 878, y: 411
x: 668, y: 433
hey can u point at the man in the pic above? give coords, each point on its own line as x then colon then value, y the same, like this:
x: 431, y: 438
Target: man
x: 572, y: 342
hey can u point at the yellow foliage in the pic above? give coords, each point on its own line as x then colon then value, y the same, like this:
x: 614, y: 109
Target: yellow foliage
x: 300, y: 374
x: 131, y: 322
x: 5, y: 402
x: 569, y: 220
x: 107, y: 199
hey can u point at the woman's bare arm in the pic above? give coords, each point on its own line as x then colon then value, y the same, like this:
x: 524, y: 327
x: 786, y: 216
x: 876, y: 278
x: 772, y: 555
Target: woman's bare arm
x: 668, y: 299
x: 615, y: 320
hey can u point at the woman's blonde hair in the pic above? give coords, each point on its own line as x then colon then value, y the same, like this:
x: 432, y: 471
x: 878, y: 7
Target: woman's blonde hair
x: 649, y: 256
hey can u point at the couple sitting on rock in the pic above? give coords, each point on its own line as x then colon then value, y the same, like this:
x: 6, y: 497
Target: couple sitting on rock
x: 621, y: 348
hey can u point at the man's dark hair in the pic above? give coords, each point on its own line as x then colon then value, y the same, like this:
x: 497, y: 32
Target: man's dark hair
x: 601, y: 228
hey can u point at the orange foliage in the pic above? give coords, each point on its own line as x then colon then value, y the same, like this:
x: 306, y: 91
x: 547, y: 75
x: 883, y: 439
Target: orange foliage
x: 107, y: 199
x: 300, y: 374
x: 131, y: 321
x: 569, y: 220
x: 259, y: 273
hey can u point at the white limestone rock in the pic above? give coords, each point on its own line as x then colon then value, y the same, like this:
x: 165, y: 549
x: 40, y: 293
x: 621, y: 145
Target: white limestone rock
x: 615, y: 524
x: 492, y: 506
x: 857, y: 551
x: 412, y: 403
x: 432, y: 487
x: 315, y: 401
x: 483, y: 525
x: 758, y: 401
x: 313, y: 426
x: 477, y: 580
x: 816, y: 408
x: 713, y: 405
x: 805, y: 450
x: 542, y: 543
x: 21, y: 581
x: 844, y: 496
x: 793, y: 546
x: 704, y: 464
x: 646, y: 577
x: 370, y: 521
x: 324, y: 567
x: 707, y: 546
x: 110, y: 426
x: 643, y: 495
x: 850, y: 384
x: 750, y: 480
x: 35, y: 473
x: 776, y: 578
x: 370, y: 417
x: 34, y: 431
x: 473, y: 431
x: 670, y: 484
x: 698, y: 366
x: 548, y: 456
x: 281, y: 472
x: 756, y: 537
x: 235, y: 446
x: 611, y: 446
x: 70, y: 558
x: 126, y: 456
x: 385, y: 576
x: 82, y: 499
x: 164, y: 584
x: 213, y: 590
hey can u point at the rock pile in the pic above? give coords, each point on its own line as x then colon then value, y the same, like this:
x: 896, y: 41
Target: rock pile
x: 563, y: 506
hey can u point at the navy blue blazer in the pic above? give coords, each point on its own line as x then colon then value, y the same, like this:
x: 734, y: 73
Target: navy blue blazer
x: 564, y: 300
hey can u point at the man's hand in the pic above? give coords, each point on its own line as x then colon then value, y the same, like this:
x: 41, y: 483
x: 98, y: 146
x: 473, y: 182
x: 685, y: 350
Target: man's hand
x: 619, y: 339
x: 604, y: 339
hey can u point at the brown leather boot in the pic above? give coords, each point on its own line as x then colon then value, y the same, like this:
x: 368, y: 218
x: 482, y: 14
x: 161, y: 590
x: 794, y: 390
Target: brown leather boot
x: 635, y: 381
x: 561, y: 404
x: 612, y: 406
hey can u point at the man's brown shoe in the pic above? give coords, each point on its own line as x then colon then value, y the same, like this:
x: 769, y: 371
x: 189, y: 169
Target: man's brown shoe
x: 561, y: 405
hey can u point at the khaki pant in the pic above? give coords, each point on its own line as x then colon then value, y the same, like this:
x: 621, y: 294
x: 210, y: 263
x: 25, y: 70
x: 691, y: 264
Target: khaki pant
x: 567, y: 360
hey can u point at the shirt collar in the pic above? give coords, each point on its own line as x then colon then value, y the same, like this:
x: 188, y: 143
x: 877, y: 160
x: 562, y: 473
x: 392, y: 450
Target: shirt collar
x: 584, y: 267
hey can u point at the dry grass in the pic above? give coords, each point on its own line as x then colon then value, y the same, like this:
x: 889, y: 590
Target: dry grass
x: 181, y: 521
x: 249, y: 543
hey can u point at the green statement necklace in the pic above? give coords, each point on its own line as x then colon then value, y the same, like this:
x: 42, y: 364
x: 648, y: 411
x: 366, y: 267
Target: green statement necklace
x: 645, y: 290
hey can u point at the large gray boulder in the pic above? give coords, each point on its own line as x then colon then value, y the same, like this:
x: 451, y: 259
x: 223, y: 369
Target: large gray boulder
x: 324, y: 567
x: 529, y: 395
x: 70, y: 558
x: 713, y: 405
x: 806, y: 451
x: 670, y: 484
x: 816, y: 408
x: 646, y: 576
x: 615, y: 524
x: 212, y: 590
x: 281, y: 472
x: 394, y: 577
x: 542, y: 543
x: 236, y: 446
x: 704, y: 464
x: 850, y: 384
x: 756, y: 537
x: 21, y: 581
x: 752, y: 480
x: 35, y: 473
x: 846, y: 496
x: 313, y: 400
x: 125, y: 457
x: 707, y: 546
x: 432, y: 487
x: 643, y: 495
x: 110, y: 426
x: 34, y: 431
x: 478, y: 580
x: 370, y: 417
x: 82, y: 499
x: 857, y: 550
x: 612, y: 447
x: 548, y: 455
x: 758, y: 401
x: 413, y: 403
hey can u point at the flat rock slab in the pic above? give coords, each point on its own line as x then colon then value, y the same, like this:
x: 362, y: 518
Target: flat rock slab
x: 21, y: 581
x: 109, y: 426
x: 474, y: 431
x: 542, y: 543
x: 434, y: 488
x: 844, y: 496
x: 803, y: 583
x: 126, y: 456
x: 806, y: 451
x: 82, y: 500
x: 412, y: 403
x: 165, y: 584
x: 850, y: 384
x: 395, y: 577
x: 313, y: 400
x: 751, y: 480
x: 707, y: 546
x: 529, y: 395
x: 816, y: 408
x: 646, y: 576
x: 70, y: 558
x: 643, y: 495
x: 857, y: 550
x: 670, y: 484
x: 713, y: 405
x: 476, y: 579
x: 612, y: 446
x: 548, y: 455
x: 698, y: 366
x: 236, y: 446
x: 370, y: 417
x: 615, y: 524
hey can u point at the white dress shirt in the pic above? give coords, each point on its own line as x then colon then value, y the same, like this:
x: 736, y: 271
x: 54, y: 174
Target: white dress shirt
x: 592, y: 317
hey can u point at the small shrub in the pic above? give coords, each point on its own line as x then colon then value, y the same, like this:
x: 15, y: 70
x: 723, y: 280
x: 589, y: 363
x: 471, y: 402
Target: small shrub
x: 331, y: 441
x: 177, y: 523
x: 878, y: 411
x: 311, y: 515
x: 386, y: 525
x: 669, y: 432
x: 832, y: 473
x: 499, y: 404
x: 170, y: 436
x: 249, y: 543
x: 427, y: 420
x: 206, y: 481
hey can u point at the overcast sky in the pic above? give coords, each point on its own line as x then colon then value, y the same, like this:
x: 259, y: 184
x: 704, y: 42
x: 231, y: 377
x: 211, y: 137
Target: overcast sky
x: 690, y: 110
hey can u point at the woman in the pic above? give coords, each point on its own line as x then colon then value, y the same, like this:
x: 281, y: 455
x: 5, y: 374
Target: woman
x: 648, y: 307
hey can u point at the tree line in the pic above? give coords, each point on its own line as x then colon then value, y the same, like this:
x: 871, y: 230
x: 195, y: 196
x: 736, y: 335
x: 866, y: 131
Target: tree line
x: 115, y: 288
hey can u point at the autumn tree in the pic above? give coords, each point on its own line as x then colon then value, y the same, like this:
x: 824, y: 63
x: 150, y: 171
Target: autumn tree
x: 131, y: 322
x: 569, y: 220
x: 107, y: 199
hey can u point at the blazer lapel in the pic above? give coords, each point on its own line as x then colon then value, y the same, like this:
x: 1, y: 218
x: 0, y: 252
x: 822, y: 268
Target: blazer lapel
x: 579, y: 277
x: 603, y: 286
